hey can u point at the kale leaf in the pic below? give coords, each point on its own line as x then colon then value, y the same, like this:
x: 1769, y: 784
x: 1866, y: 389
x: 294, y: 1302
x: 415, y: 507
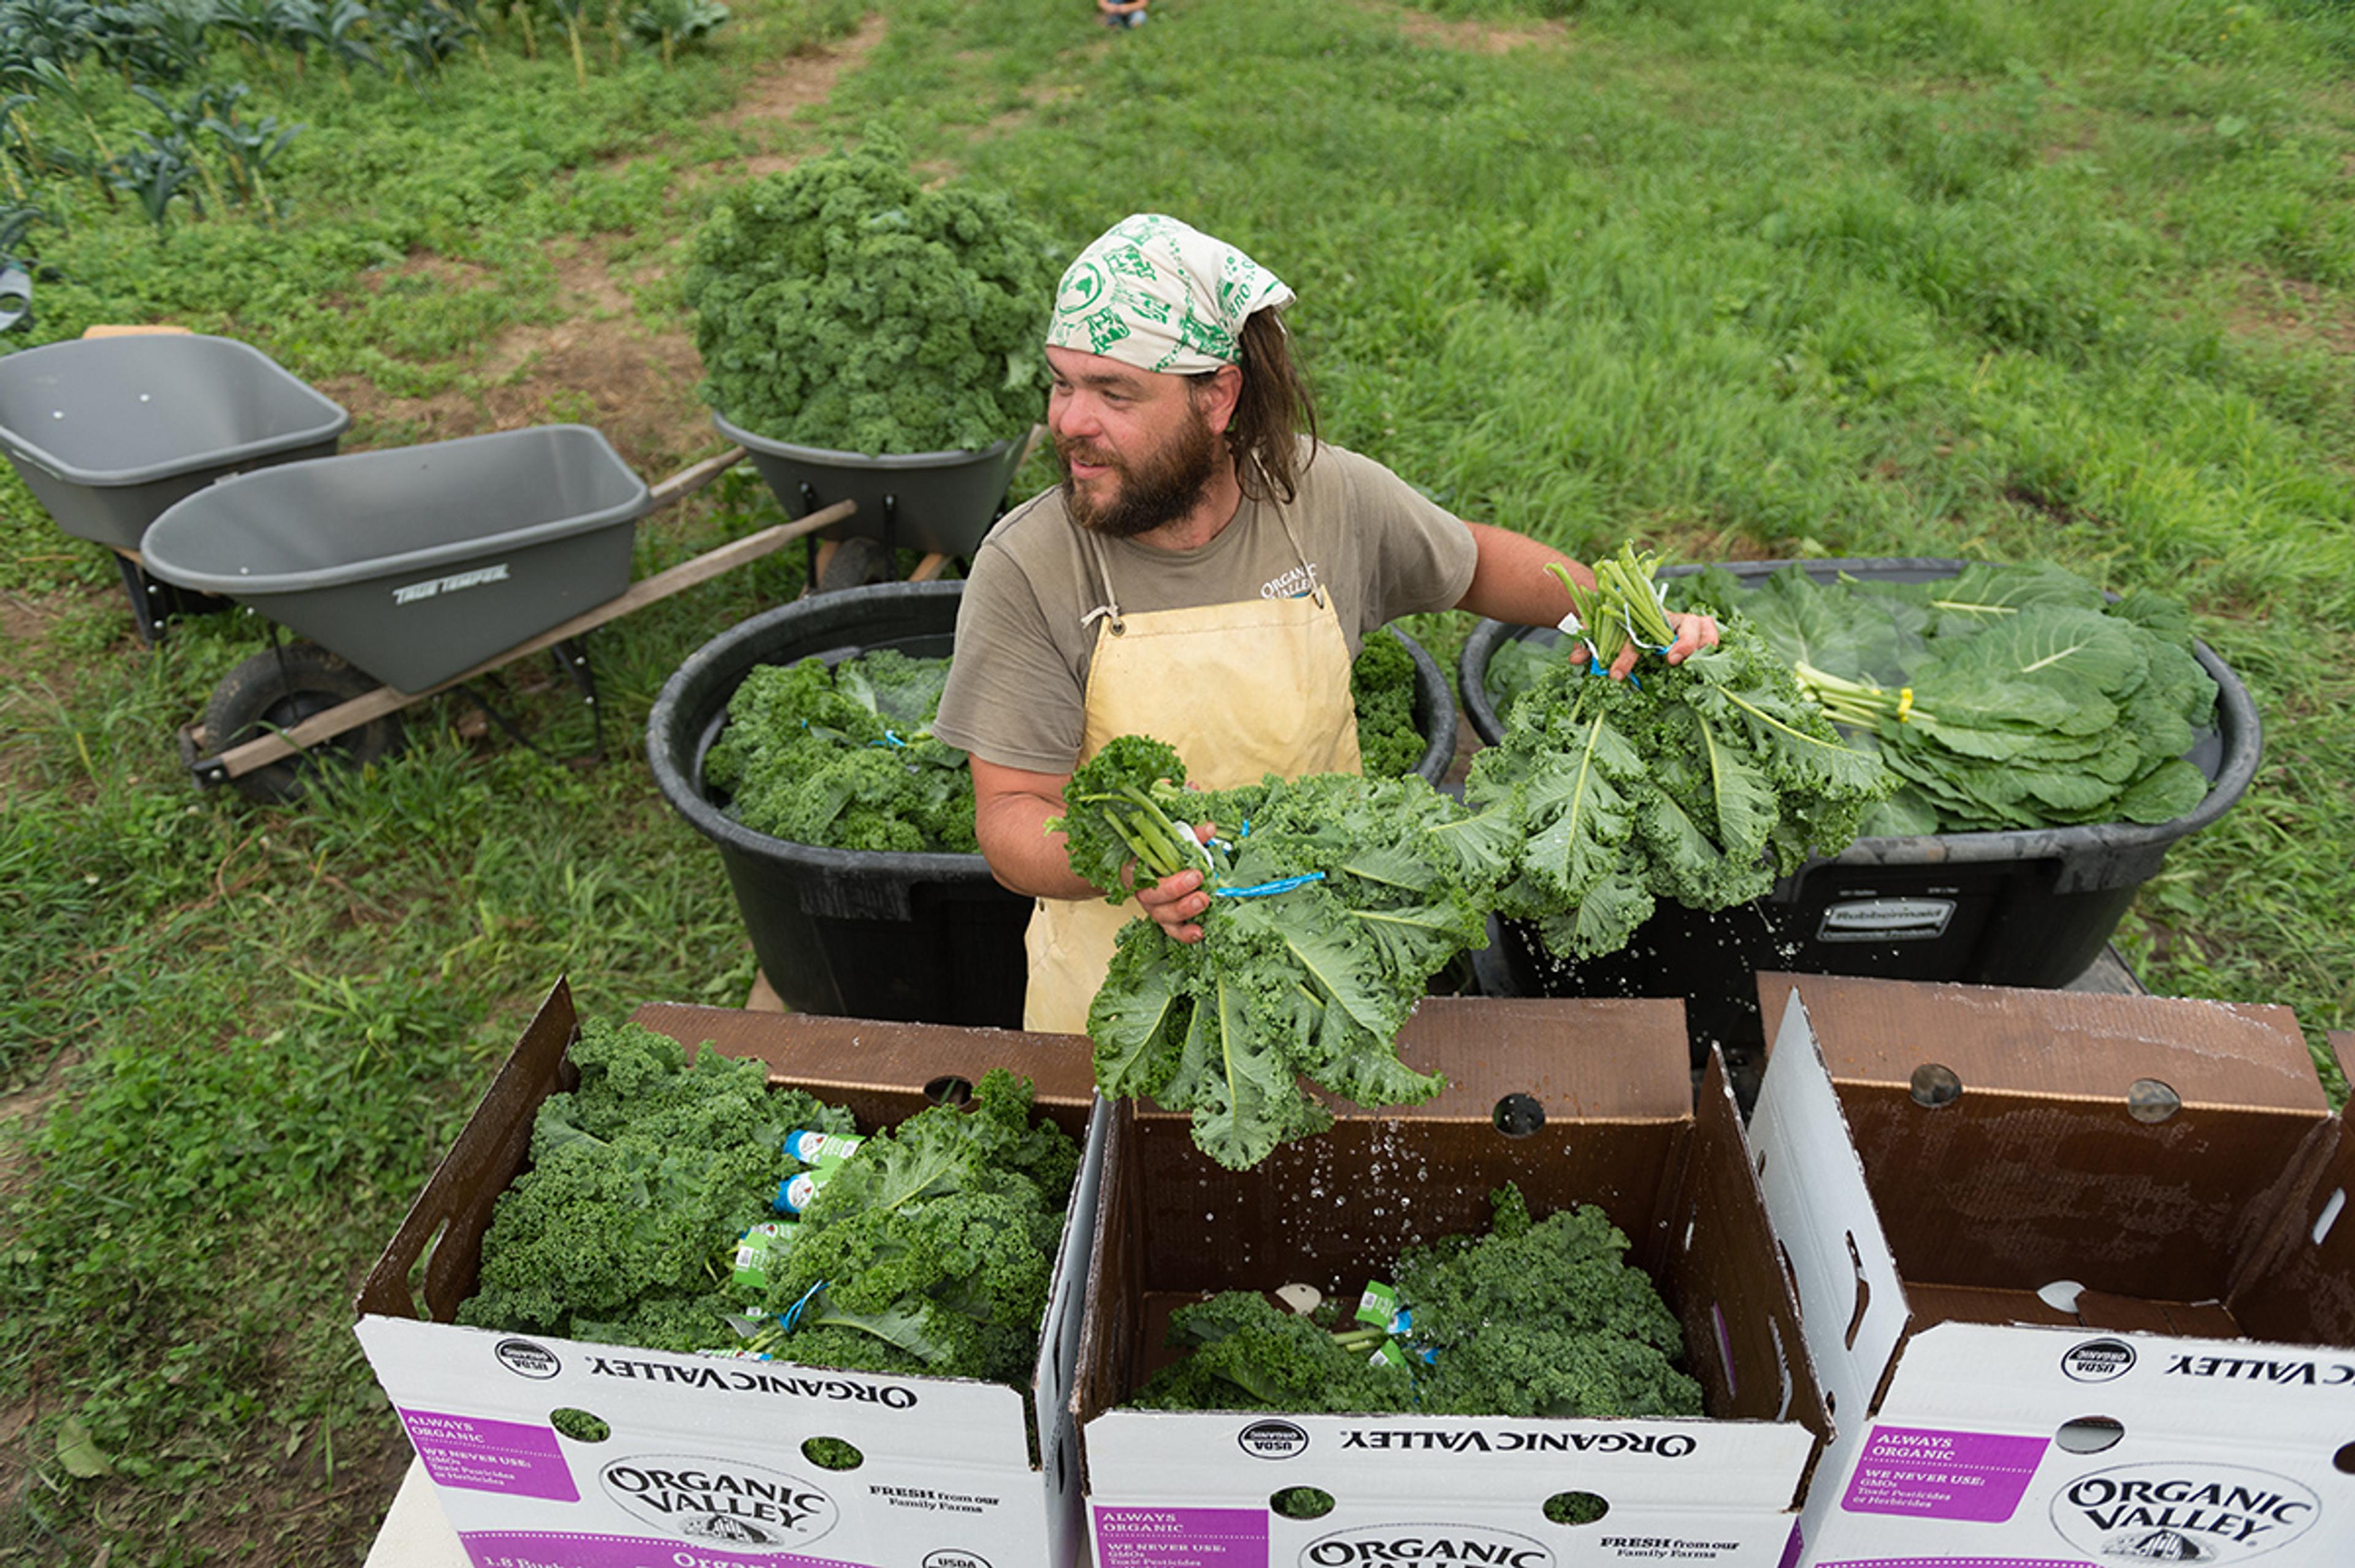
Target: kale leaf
x: 1702, y: 782
x: 1335, y: 899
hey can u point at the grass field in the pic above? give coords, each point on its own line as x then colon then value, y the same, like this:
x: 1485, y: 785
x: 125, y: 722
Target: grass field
x: 1748, y: 278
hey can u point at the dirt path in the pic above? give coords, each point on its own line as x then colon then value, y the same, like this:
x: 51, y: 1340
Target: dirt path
x: 600, y: 363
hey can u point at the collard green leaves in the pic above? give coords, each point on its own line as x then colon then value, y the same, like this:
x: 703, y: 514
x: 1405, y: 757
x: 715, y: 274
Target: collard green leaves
x: 2005, y: 698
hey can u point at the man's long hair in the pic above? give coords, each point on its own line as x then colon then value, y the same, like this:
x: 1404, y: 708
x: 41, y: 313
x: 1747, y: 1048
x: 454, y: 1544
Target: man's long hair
x: 1274, y: 409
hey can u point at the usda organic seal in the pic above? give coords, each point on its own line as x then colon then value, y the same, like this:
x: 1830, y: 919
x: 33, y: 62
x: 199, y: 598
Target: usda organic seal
x: 1272, y: 1440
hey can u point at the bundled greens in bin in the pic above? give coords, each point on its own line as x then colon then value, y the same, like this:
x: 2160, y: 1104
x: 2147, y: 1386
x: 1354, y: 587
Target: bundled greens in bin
x: 927, y: 1250
x: 843, y: 305
x: 1536, y: 1317
x: 1703, y: 782
x: 2004, y: 697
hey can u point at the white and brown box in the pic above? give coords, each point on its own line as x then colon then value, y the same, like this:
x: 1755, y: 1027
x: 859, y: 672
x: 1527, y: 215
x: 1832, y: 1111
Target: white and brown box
x: 2075, y: 1272
x: 705, y: 1462
x: 1577, y: 1102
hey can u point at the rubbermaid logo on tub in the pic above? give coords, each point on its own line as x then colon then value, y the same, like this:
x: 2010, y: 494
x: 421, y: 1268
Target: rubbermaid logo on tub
x: 531, y: 1361
x: 431, y: 586
x: 1426, y: 1546
x: 1272, y: 1440
x: 721, y: 1500
x: 2098, y: 1360
x: 2183, y: 1513
x: 1886, y: 920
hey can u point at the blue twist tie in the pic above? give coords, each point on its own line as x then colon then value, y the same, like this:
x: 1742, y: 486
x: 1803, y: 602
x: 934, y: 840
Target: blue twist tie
x: 890, y: 738
x: 1281, y: 885
x: 791, y: 1316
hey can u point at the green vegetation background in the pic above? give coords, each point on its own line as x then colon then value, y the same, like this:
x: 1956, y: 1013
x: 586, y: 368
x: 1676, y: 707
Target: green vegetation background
x: 1745, y: 278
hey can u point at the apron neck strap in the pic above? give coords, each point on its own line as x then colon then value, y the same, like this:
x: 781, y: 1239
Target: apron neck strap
x: 1109, y: 611
x: 1110, y: 608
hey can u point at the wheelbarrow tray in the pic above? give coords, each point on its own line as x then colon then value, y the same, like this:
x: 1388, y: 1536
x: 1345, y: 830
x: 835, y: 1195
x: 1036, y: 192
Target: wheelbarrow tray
x: 416, y: 562
x: 109, y: 432
x: 938, y: 502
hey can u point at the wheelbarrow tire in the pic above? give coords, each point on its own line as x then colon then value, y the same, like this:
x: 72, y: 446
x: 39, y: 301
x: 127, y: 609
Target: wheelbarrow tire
x: 277, y: 689
x: 856, y: 562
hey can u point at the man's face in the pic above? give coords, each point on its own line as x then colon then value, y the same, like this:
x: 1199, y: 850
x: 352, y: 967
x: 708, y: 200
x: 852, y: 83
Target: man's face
x: 1135, y: 449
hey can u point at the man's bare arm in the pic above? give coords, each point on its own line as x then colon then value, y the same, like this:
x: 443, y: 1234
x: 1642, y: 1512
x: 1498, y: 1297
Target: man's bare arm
x: 1010, y: 812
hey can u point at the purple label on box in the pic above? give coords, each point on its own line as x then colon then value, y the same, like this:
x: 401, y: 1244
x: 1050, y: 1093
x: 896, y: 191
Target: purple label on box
x: 1921, y: 1472
x: 549, y: 1549
x: 484, y: 1456
x: 1955, y: 1563
x: 1181, y: 1537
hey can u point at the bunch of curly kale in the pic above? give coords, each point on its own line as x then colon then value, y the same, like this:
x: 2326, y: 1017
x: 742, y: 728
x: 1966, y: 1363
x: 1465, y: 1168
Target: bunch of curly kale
x: 842, y: 305
x: 929, y: 1252
x: 1536, y: 1317
x: 842, y: 756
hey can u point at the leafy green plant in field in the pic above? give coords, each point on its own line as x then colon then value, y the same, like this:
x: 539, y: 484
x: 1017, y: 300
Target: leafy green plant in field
x: 674, y: 24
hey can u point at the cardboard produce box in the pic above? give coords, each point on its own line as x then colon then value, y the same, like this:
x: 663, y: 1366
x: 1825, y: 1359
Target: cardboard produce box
x: 1577, y: 1102
x: 2075, y: 1273
x: 705, y: 1461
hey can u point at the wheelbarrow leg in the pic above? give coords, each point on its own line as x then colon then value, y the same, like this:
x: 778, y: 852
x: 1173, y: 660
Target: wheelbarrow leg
x: 152, y: 600
x: 573, y: 652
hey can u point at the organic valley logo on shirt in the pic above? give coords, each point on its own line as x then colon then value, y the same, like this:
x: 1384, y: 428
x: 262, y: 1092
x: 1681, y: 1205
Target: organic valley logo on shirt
x: 2183, y: 1513
x: 1297, y: 583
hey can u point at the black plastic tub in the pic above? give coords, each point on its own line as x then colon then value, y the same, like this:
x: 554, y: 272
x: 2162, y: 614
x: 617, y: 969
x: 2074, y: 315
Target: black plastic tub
x: 2027, y: 907
x: 929, y: 938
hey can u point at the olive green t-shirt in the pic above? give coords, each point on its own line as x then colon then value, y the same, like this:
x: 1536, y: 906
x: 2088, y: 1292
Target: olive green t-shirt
x: 1017, y: 686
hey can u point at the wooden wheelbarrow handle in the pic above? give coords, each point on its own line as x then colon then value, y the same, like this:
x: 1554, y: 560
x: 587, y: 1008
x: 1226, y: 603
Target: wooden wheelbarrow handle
x: 263, y: 750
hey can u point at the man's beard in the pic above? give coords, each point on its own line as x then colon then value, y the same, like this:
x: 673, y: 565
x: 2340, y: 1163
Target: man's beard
x: 1161, y: 489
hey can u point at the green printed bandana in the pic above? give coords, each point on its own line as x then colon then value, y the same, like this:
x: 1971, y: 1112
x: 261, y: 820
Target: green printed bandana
x: 1157, y: 294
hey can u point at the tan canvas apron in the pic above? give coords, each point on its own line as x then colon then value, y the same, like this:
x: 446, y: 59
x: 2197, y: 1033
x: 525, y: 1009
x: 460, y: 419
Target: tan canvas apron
x: 1256, y: 687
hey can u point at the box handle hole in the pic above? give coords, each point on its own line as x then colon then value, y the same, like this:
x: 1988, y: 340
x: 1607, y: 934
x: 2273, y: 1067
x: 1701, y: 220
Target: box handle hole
x: 1863, y: 1291
x: 580, y: 1425
x: 2329, y: 1215
x: 1301, y: 1502
x: 1934, y: 1085
x: 415, y: 1282
x: 1575, y: 1507
x: 2148, y: 1100
x: 2344, y: 1460
x: 949, y: 1090
x: 832, y: 1454
x: 2089, y: 1434
x: 1518, y: 1115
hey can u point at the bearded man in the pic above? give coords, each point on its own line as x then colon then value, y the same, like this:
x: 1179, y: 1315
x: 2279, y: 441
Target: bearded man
x: 1205, y: 574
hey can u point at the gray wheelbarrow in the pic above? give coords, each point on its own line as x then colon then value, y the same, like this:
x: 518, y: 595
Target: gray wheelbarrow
x: 940, y: 504
x: 109, y: 432
x: 415, y: 571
